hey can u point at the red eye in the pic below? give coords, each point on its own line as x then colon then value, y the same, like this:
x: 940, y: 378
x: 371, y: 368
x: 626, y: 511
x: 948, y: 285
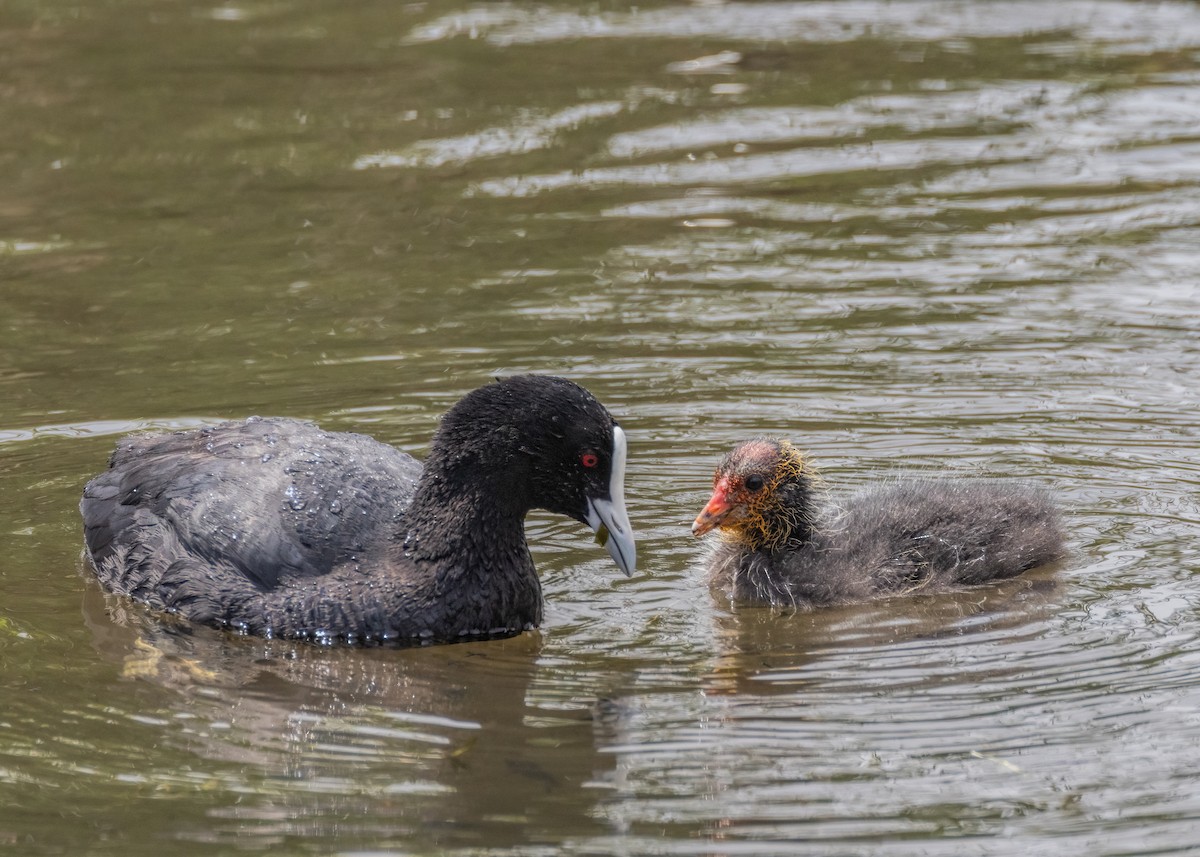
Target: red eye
x: 589, y: 459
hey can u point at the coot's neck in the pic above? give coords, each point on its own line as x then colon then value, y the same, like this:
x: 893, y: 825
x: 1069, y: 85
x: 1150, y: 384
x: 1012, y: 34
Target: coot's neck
x: 444, y: 517
x: 470, y: 527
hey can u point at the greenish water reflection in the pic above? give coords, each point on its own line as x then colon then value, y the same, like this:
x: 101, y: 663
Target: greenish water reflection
x: 913, y: 236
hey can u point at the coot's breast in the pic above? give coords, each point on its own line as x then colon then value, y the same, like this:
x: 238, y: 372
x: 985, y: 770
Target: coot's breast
x: 273, y: 499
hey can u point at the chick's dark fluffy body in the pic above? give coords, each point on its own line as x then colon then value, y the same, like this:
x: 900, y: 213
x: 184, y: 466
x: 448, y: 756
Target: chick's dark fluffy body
x: 914, y: 535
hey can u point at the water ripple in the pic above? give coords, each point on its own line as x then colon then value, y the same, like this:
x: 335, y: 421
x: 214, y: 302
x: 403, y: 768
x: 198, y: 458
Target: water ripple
x: 1119, y: 27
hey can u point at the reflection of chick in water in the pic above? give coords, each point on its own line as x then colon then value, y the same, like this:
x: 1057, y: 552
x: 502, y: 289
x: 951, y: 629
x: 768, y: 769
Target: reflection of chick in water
x: 439, y: 743
x: 781, y: 545
x: 874, y: 645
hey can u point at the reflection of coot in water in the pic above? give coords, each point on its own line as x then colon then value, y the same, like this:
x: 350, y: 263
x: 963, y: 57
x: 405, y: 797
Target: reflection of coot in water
x: 781, y: 546
x: 353, y: 747
x: 275, y: 527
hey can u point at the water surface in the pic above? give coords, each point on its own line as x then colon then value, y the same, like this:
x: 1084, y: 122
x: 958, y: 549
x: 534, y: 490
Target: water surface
x: 935, y: 237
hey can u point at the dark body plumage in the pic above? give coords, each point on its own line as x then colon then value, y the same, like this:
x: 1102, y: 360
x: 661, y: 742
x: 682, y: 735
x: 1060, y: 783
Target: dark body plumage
x: 783, y: 544
x: 275, y: 527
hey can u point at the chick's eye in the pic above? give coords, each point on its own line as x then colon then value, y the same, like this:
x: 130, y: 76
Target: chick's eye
x: 754, y: 483
x: 589, y: 459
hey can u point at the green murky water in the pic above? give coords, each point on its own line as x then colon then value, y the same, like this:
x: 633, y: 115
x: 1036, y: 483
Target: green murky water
x: 933, y: 236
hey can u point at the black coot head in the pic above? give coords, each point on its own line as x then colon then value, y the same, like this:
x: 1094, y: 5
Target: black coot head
x: 549, y: 444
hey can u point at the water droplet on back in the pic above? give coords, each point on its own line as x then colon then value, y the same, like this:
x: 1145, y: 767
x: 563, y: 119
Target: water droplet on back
x: 297, y: 500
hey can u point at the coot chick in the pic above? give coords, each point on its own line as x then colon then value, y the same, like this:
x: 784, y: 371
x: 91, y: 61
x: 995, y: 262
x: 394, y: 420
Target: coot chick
x: 276, y: 528
x: 782, y: 544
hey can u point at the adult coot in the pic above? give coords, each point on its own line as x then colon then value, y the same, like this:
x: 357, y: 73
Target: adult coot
x: 277, y: 528
x: 783, y: 545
